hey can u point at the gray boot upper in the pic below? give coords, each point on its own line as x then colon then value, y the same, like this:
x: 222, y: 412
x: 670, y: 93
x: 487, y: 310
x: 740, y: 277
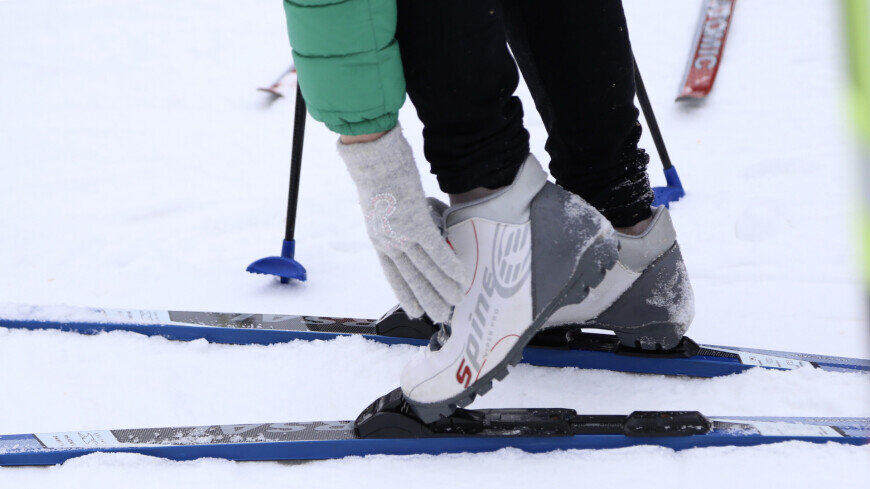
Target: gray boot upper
x: 647, y: 298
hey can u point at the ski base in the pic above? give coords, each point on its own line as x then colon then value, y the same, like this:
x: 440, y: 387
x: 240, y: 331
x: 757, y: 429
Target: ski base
x: 387, y: 428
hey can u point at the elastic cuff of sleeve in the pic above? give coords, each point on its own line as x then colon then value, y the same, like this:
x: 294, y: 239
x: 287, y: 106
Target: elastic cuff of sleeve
x: 368, y: 126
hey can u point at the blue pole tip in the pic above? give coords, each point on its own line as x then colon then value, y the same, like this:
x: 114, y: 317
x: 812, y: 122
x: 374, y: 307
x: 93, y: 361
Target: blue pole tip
x: 672, y: 193
x: 284, y: 266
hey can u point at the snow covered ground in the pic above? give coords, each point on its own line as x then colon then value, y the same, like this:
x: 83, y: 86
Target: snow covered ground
x: 140, y: 169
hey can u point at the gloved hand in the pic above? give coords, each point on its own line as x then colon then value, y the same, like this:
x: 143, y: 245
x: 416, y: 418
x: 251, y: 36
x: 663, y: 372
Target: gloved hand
x: 422, y: 268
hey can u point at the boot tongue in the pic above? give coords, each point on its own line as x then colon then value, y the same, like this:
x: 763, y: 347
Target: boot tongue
x: 510, y: 205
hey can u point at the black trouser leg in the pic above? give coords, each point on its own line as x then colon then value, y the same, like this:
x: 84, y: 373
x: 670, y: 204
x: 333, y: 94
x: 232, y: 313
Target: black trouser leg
x: 576, y: 58
x: 461, y: 78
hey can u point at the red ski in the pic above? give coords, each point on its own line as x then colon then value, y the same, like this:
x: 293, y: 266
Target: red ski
x: 279, y: 88
x: 707, y: 49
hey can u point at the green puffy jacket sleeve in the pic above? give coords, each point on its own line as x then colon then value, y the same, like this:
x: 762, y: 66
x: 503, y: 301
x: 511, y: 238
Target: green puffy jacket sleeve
x: 347, y: 62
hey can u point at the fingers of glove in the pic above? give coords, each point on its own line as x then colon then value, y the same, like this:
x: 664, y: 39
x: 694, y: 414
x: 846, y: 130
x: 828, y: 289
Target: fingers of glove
x: 434, y: 305
x: 436, y: 209
x: 441, y: 253
x: 450, y: 290
x: 401, y: 288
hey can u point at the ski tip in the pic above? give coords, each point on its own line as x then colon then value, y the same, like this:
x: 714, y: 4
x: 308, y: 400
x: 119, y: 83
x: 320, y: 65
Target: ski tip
x: 270, y: 91
x: 272, y: 96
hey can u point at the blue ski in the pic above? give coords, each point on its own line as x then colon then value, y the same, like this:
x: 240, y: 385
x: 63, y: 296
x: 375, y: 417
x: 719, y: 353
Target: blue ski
x: 386, y: 428
x: 559, y: 347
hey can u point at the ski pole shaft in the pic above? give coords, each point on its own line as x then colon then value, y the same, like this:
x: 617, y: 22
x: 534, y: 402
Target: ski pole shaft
x: 295, y: 163
x: 650, y: 117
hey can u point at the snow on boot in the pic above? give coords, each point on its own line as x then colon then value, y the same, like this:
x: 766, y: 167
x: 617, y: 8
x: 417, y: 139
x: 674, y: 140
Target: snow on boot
x: 646, y: 299
x: 528, y: 247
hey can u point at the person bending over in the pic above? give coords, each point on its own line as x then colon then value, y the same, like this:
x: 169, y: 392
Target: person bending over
x: 513, y: 253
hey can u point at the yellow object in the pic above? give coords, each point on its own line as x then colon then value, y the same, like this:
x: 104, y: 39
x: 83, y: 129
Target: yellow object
x: 857, y: 17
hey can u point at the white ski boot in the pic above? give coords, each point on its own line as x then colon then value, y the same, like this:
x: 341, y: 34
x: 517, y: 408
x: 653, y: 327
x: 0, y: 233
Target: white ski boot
x: 528, y: 247
x: 646, y: 299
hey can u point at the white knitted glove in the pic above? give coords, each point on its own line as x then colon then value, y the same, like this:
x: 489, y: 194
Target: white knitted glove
x: 422, y: 268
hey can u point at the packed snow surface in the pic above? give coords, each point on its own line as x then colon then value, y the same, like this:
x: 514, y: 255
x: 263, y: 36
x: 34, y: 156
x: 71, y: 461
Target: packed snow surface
x: 141, y: 170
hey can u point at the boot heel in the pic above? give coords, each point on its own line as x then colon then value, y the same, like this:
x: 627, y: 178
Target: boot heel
x: 655, y: 312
